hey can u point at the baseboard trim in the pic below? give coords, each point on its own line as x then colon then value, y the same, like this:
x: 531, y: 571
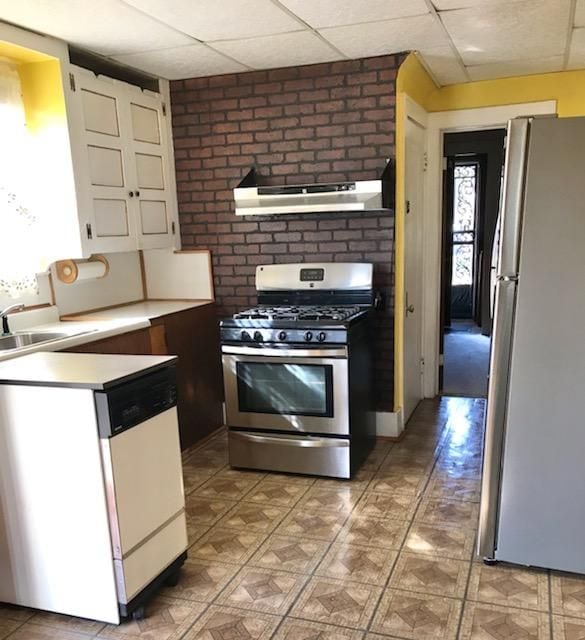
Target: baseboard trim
x: 389, y: 424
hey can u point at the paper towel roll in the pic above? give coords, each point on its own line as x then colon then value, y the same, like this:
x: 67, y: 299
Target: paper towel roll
x: 70, y: 271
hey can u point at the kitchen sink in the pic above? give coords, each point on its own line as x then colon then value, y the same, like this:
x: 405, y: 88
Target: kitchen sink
x: 25, y: 339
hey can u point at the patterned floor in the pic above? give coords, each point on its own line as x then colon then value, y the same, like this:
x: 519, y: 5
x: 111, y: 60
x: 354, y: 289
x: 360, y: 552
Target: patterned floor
x: 387, y: 555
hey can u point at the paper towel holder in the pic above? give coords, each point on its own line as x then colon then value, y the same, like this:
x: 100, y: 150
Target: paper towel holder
x: 69, y: 271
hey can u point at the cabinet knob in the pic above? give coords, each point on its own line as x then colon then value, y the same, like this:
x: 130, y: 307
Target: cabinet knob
x: 131, y: 194
x: 137, y: 193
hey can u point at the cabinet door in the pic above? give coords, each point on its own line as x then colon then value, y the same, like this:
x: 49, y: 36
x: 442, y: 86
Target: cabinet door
x: 101, y: 102
x: 147, y: 145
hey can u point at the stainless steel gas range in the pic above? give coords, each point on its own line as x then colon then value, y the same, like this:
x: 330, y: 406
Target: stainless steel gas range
x: 298, y: 371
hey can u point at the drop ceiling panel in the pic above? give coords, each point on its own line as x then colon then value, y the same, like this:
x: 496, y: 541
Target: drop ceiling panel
x: 220, y: 20
x: 577, y: 50
x: 447, y: 5
x: 333, y: 13
x: 515, y: 68
x: 284, y: 50
x: 387, y: 36
x: 580, y: 13
x: 107, y: 27
x: 182, y: 62
x: 516, y: 31
x: 443, y: 64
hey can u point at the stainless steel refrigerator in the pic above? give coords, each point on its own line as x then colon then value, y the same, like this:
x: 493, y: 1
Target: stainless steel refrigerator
x: 533, y: 487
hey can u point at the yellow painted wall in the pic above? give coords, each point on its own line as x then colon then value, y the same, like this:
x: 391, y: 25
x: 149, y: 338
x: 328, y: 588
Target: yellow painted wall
x: 567, y: 88
x: 42, y: 94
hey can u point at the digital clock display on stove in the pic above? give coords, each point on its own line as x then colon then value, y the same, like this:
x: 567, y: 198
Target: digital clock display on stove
x: 312, y: 275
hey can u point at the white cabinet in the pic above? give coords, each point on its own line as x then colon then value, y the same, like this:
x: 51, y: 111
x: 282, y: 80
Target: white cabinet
x: 124, y: 174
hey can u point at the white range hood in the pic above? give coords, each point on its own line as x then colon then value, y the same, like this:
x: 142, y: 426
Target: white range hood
x: 362, y: 195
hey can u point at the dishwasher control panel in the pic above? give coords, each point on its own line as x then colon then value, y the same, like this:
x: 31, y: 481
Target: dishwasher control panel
x: 131, y: 403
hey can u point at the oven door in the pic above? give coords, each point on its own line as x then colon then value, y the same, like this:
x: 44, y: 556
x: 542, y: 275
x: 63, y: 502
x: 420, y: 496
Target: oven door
x: 293, y: 389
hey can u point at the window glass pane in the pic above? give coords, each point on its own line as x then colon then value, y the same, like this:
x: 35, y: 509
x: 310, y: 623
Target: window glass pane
x: 462, y: 264
x: 285, y: 388
x: 465, y: 197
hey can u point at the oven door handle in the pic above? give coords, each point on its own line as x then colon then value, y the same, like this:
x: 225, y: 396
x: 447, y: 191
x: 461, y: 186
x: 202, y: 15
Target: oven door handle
x: 335, y: 352
x: 313, y: 443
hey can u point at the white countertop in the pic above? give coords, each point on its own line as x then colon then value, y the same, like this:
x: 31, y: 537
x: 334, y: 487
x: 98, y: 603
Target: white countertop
x: 78, y: 370
x: 146, y: 310
x: 93, y: 325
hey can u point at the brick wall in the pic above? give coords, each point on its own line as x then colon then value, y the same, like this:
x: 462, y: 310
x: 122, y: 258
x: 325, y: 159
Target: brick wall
x: 316, y: 123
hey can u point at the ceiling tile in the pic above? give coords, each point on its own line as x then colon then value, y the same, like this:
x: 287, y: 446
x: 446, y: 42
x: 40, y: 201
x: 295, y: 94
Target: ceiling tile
x: 515, y: 68
x: 580, y: 13
x: 387, y: 36
x: 517, y: 31
x: 284, y: 50
x: 107, y: 26
x: 443, y: 65
x: 224, y: 20
x: 333, y: 13
x: 447, y: 5
x: 577, y: 50
x: 192, y: 61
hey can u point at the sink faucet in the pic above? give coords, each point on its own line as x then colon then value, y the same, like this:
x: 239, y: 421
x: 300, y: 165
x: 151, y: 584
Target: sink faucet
x: 4, y: 315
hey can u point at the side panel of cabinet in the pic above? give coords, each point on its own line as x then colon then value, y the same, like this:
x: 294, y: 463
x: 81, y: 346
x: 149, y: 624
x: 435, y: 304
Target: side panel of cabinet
x: 104, y: 172
x: 193, y: 335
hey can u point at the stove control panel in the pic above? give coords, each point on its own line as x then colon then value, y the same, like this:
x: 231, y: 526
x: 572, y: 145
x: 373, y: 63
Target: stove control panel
x: 331, y: 336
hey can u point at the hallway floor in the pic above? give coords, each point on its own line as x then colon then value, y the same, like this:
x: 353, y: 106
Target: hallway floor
x: 389, y: 554
x: 466, y: 361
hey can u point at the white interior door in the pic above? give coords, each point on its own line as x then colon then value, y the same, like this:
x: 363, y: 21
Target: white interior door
x: 111, y: 226
x: 149, y: 159
x: 413, y: 267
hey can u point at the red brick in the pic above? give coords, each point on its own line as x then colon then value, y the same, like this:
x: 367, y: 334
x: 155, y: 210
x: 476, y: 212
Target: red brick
x: 268, y: 112
x: 283, y: 98
x: 254, y: 101
x: 301, y: 132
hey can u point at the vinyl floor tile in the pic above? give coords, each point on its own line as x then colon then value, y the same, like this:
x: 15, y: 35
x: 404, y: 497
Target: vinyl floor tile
x: 254, y: 517
x: 290, y: 553
x: 509, y: 586
x: 385, y: 533
x: 441, y: 541
x: 166, y: 619
x: 489, y: 622
x: 436, y: 576
x: 338, y: 602
x: 568, y: 628
x: 226, y: 623
x: 357, y: 563
x: 317, y: 524
x: 293, y: 629
x: 279, y: 494
x: 568, y: 594
x: 227, y: 545
x: 202, y: 580
x: 263, y: 590
x: 416, y: 616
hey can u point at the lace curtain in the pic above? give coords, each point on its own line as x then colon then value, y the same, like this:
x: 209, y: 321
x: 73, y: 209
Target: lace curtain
x: 20, y: 237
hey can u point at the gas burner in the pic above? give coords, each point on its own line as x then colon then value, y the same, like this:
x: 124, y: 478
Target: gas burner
x: 297, y: 314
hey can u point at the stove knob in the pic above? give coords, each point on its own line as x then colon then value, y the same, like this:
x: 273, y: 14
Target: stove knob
x: 282, y: 335
x: 321, y: 337
x: 245, y: 336
x: 258, y: 336
x: 308, y: 336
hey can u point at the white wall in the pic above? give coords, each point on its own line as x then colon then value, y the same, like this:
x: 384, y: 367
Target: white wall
x: 122, y: 284
x: 178, y: 274
x: 30, y: 299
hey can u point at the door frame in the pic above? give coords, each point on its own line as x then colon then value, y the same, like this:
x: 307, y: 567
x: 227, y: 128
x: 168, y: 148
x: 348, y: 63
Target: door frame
x: 439, y: 123
x: 406, y: 109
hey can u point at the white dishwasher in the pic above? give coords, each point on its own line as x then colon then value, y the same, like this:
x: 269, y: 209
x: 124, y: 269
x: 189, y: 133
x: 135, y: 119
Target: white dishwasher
x: 92, y: 509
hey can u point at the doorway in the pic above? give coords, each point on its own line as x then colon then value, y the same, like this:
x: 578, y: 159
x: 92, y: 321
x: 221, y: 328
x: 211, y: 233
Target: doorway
x: 472, y: 175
